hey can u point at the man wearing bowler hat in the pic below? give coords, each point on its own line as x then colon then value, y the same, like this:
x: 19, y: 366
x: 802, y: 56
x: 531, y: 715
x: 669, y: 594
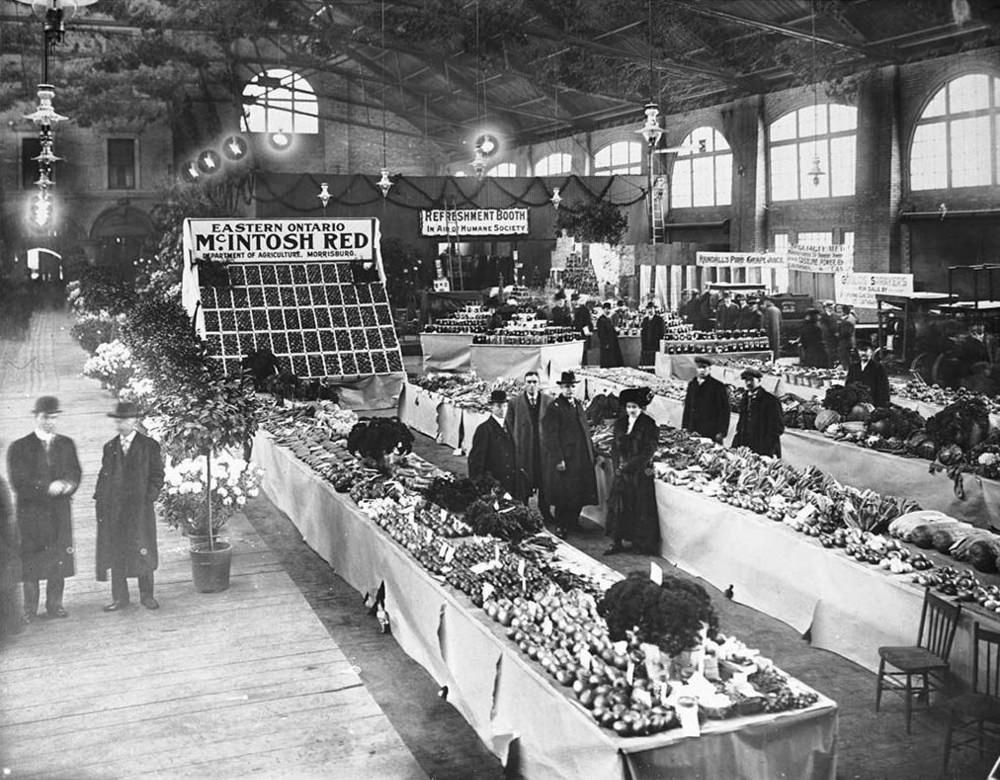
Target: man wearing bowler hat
x: 44, y: 473
x: 706, y: 403
x: 567, y: 457
x: 492, y: 449
x: 130, y: 480
x: 760, y: 424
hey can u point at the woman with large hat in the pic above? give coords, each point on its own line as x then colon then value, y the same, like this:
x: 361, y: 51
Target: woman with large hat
x: 568, y: 457
x: 632, y: 514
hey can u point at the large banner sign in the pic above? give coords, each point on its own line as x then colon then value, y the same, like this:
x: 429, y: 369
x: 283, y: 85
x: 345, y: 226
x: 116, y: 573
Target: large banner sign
x: 820, y: 259
x: 738, y: 259
x: 473, y: 222
x: 275, y: 240
x: 859, y: 289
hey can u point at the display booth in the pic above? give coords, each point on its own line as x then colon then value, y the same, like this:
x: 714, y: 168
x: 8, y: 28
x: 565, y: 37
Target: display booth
x: 311, y: 292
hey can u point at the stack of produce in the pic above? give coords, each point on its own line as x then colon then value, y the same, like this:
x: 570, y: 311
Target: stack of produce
x: 465, y: 390
x: 918, y: 390
x: 715, y: 342
x: 634, y: 377
x: 547, y: 603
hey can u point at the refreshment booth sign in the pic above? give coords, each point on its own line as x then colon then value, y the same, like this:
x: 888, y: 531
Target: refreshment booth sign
x: 473, y: 222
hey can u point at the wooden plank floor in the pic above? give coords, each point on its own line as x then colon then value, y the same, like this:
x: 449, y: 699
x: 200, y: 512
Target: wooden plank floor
x: 244, y: 682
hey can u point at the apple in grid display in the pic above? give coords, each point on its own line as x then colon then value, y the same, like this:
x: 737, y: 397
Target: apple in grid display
x: 310, y: 315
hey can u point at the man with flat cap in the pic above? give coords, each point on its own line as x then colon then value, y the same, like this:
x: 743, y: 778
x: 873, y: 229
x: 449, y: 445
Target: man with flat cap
x: 760, y: 424
x: 44, y: 474
x: 129, y: 481
x: 492, y: 449
x: 706, y: 403
x: 568, y: 457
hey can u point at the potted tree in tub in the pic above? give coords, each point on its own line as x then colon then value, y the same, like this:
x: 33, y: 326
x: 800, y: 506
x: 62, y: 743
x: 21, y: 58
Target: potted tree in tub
x: 205, y: 482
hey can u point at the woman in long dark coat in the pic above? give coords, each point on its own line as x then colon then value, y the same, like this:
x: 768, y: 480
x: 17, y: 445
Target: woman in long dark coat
x: 632, y: 514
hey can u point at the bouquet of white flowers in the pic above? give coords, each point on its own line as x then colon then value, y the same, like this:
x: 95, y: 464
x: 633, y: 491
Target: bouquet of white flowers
x: 183, y: 500
x: 111, y: 364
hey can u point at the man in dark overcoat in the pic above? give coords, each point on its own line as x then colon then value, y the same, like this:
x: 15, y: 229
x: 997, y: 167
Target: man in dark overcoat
x: 567, y: 457
x: 871, y: 373
x: 44, y: 473
x: 524, y: 415
x: 129, y: 481
x: 607, y: 339
x: 760, y: 424
x: 706, y: 403
x: 650, y: 334
x: 727, y: 314
x: 771, y: 322
x: 492, y: 449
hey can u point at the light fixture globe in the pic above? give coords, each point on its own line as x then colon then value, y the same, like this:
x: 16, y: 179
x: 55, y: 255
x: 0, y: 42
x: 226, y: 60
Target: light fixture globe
x: 235, y: 148
x: 190, y: 172
x: 209, y: 162
x: 280, y: 141
x: 816, y: 173
x: 488, y: 144
x: 651, y: 129
x: 384, y: 183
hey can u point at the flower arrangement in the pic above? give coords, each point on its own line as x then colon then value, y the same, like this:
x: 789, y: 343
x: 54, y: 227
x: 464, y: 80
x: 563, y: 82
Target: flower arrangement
x: 111, y: 364
x: 92, y: 330
x: 183, y: 499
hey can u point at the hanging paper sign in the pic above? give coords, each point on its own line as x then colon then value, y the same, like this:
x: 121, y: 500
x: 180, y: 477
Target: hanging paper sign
x: 860, y: 289
x: 737, y: 259
x: 473, y: 222
x: 820, y: 259
x: 295, y: 240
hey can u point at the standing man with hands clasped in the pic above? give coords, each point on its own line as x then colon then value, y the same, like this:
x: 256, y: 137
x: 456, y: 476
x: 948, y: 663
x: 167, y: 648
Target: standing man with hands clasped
x: 130, y: 480
x: 492, y: 449
x: 44, y: 473
x: 706, y: 403
x: 568, y: 455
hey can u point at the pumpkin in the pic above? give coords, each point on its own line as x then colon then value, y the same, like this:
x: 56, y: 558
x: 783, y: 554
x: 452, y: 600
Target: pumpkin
x: 950, y: 454
x: 861, y: 412
x: 826, y: 418
x: 927, y: 449
x: 881, y: 427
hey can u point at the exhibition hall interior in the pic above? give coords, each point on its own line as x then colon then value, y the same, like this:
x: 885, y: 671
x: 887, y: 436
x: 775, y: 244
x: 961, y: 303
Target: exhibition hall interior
x: 500, y: 389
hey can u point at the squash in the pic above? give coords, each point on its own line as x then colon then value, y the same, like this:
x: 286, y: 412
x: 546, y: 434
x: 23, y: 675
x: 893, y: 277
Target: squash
x: 881, y: 427
x: 826, y: 418
x: 983, y: 556
x: 915, y: 440
x: 921, y: 536
x: 942, y: 540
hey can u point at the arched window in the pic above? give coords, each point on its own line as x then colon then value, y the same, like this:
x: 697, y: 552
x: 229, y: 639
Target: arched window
x: 703, y: 171
x: 825, y: 132
x: 619, y: 157
x: 554, y: 164
x: 503, y: 169
x: 957, y: 139
x: 279, y: 101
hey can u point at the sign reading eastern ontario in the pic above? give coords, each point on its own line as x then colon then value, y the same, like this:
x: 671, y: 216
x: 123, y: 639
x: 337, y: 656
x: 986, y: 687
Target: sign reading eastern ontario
x: 473, y: 222
x: 276, y: 240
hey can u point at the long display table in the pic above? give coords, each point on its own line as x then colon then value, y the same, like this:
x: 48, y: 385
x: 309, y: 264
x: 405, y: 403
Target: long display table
x: 446, y: 351
x: 435, y: 415
x: 847, y: 463
x: 504, y: 697
x: 849, y: 608
x: 682, y: 366
x: 498, y: 361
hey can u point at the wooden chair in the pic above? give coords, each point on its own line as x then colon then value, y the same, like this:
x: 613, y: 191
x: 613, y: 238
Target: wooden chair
x: 974, y: 717
x: 927, y: 660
